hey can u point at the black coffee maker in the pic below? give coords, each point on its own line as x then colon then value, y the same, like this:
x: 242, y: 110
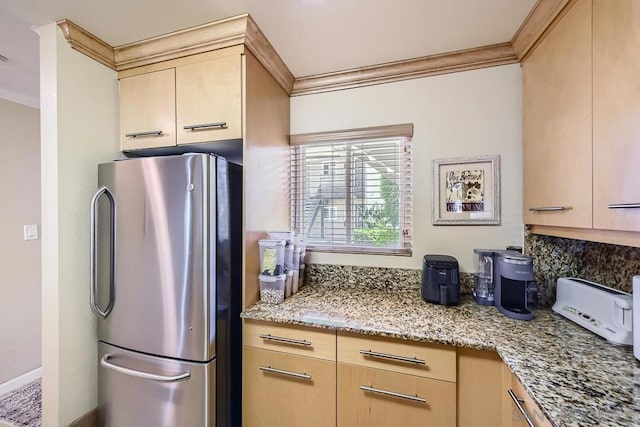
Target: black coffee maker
x: 440, y: 280
x: 512, y: 274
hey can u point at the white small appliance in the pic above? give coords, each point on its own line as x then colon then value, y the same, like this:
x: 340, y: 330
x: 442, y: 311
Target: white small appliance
x: 602, y: 310
x: 636, y: 317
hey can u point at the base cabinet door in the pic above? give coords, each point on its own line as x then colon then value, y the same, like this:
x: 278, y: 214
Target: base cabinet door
x: 375, y: 397
x: 518, y: 408
x: 285, y: 390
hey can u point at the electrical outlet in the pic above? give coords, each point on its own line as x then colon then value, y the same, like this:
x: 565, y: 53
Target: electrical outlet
x: 31, y: 232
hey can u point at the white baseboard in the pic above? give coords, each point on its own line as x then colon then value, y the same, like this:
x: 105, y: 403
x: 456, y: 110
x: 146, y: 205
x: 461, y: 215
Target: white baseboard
x: 21, y: 381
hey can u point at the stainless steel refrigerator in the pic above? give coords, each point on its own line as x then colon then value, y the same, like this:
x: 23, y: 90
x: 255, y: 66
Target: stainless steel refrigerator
x: 166, y: 286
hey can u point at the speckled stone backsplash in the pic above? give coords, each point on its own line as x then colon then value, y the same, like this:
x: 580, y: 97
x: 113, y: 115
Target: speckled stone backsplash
x: 555, y: 257
x: 371, y: 277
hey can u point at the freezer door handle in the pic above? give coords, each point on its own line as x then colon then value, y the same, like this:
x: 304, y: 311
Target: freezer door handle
x: 94, y: 251
x: 144, y: 375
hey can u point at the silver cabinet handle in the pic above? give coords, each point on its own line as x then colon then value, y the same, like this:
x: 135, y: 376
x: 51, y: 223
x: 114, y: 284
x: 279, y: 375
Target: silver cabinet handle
x: 148, y: 133
x: 283, y: 339
x: 393, y: 357
x: 287, y: 373
x: 93, y: 252
x: 550, y: 208
x: 519, y: 403
x: 144, y: 375
x: 414, y: 397
x: 221, y: 125
x: 624, y: 206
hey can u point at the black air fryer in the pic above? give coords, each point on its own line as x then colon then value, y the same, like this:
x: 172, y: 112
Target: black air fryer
x: 440, y: 280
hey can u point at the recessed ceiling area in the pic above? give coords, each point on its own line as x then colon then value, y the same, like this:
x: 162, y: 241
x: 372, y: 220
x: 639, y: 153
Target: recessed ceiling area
x: 311, y: 36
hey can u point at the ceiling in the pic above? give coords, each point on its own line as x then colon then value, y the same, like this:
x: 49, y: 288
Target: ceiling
x: 311, y: 36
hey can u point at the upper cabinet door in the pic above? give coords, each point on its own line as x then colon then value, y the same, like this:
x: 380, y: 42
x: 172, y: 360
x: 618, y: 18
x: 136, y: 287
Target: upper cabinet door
x: 557, y: 124
x: 616, y: 115
x: 147, y: 110
x: 209, y: 100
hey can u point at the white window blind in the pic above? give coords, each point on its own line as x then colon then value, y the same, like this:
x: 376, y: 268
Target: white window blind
x: 351, y: 191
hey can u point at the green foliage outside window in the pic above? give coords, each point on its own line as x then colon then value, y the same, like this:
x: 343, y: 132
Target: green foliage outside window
x: 381, y: 221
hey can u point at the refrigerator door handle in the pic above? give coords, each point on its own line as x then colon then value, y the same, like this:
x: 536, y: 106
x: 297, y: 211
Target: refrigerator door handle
x: 94, y: 252
x: 144, y: 375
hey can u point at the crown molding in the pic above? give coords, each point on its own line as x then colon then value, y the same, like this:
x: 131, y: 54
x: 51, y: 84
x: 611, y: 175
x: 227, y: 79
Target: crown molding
x: 242, y: 30
x: 234, y: 31
x: 85, y: 42
x: 542, y: 18
x: 264, y: 52
x: 451, y: 62
x: 190, y: 41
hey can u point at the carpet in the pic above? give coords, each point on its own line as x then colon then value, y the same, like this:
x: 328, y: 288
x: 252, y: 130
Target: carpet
x: 22, y: 408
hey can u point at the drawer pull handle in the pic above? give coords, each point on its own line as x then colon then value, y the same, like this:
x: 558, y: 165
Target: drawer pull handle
x: 287, y: 373
x: 220, y: 125
x: 393, y: 357
x: 413, y: 397
x: 148, y: 133
x: 624, y: 206
x: 550, y: 208
x: 286, y: 340
x: 519, y: 403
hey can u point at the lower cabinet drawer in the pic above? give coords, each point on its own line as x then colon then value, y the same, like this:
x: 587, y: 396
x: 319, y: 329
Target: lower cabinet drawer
x: 285, y: 390
x: 300, y: 340
x: 374, y: 397
x: 424, y: 360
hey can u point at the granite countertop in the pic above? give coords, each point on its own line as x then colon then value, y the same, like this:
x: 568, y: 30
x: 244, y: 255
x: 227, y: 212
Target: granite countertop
x: 576, y: 377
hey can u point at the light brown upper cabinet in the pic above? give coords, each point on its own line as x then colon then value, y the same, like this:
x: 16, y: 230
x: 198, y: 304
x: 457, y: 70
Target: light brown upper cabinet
x: 147, y: 110
x: 557, y: 124
x: 616, y: 115
x: 581, y: 133
x: 192, y: 100
x: 209, y: 100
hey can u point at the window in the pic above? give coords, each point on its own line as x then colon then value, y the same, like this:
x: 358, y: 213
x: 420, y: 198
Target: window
x: 351, y: 190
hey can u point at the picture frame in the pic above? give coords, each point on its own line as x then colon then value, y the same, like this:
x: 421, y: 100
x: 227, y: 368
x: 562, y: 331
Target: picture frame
x: 466, y: 191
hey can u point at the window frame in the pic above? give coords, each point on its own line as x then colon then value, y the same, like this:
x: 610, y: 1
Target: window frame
x: 352, y: 136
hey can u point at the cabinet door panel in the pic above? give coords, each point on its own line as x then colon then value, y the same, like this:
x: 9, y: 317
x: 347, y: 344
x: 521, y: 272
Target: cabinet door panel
x: 278, y: 399
x: 616, y: 114
x: 532, y: 410
x: 557, y: 140
x: 207, y: 93
x: 357, y: 407
x: 148, y: 104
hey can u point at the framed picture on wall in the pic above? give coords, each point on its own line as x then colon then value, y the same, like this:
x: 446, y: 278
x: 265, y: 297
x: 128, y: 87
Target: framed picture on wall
x: 466, y: 191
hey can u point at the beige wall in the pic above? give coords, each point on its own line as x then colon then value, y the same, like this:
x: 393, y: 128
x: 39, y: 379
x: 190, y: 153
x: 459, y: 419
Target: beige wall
x: 20, y: 292
x: 455, y: 115
x: 80, y: 122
